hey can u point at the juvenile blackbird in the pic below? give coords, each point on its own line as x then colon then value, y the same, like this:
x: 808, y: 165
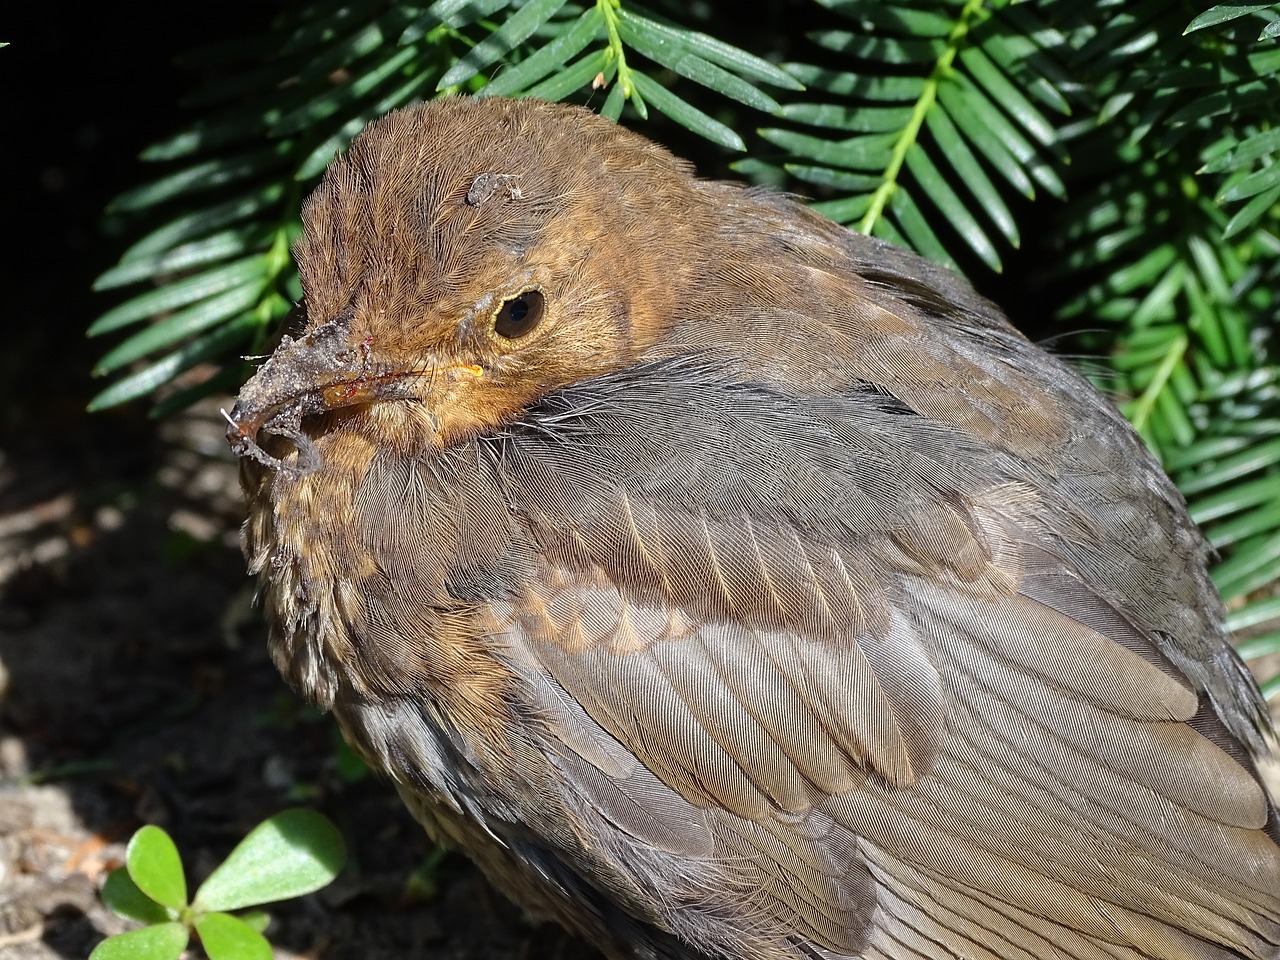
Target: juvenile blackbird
x: 728, y: 584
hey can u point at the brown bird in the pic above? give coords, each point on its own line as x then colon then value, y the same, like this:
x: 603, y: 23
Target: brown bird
x: 728, y: 584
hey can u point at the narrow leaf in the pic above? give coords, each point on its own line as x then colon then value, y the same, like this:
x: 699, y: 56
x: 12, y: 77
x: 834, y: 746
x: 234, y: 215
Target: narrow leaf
x: 708, y: 48
x: 220, y: 246
x: 1251, y: 213
x: 893, y: 51
x: 686, y: 114
x: 1006, y: 94
x: 986, y: 141
x: 1250, y: 460
x: 916, y: 228
x: 454, y: 13
x: 1223, y: 12
x: 340, y: 98
x: 939, y: 192
x: 517, y: 28
x: 152, y: 377
x: 560, y: 85
x: 1257, y: 182
x: 1254, y: 614
x: 203, y: 223
x: 675, y: 55
x: 179, y: 326
x: 971, y: 173
x: 1245, y: 152
x: 554, y: 54
x: 896, y: 17
x: 962, y: 99
x: 836, y: 179
x: 180, y: 293
x: 869, y: 153
x: 203, y: 176
x: 849, y: 117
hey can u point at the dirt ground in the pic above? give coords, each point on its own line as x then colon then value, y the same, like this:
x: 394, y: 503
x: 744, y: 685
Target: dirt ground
x: 136, y: 689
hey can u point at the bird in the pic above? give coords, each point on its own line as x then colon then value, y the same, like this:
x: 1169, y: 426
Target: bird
x: 729, y: 584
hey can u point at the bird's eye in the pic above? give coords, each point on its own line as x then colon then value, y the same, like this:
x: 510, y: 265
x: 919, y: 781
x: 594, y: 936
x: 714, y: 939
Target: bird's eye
x: 519, y: 315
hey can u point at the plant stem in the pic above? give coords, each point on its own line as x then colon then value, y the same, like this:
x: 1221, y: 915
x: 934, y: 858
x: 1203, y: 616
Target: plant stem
x: 911, y: 132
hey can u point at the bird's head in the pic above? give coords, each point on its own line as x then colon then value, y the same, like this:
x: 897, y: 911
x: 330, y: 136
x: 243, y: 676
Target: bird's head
x: 465, y: 258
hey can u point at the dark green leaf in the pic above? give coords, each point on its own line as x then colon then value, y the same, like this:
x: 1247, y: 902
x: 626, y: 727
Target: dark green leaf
x: 1018, y: 55
x: 1264, y: 646
x: 454, y: 13
x: 567, y: 44
x: 1260, y: 180
x: 708, y: 48
x: 851, y: 118
x: 1223, y: 12
x: 739, y: 61
x: 1144, y: 271
x: 853, y: 209
x: 341, y: 97
x: 220, y: 246
x: 978, y: 118
x: 916, y: 228
x: 203, y: 176
x: 1245, y: 152
x: 1251, y: 213
x: 322, y: 155
x: 123, y: 897
x: 180, y: 325
x: 971, y: 174
x: 686, y: 114
x: 940, y: 193
x: 897, y: 17
x: 879, y: 90
x: 516, y: 29
x: 669, y: 49
x: 879, y: 49
x: 214, y: 344
x: 560, y: 85
x: 1005, y: 93
x: 1250, y: 567
x: 1247, y: 461
x: 614, y: 103
x: 202, y: 223
x: 836, y: 179
x: 181, y: 293
x: 986, y: 141
x: 1264, y: 519
x: 870, y: 153
x: 1254, y: 614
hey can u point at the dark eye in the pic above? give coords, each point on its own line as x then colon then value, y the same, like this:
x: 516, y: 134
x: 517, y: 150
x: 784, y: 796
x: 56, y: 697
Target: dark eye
x: 519, y: 315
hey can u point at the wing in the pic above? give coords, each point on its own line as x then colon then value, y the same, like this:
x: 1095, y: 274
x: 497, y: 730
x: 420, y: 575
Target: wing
x: 899, y: 719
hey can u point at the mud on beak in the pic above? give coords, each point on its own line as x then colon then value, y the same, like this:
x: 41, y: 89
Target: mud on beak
x: 315, y: 373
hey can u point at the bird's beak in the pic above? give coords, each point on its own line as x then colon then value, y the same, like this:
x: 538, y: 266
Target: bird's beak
x: 318, y: 372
